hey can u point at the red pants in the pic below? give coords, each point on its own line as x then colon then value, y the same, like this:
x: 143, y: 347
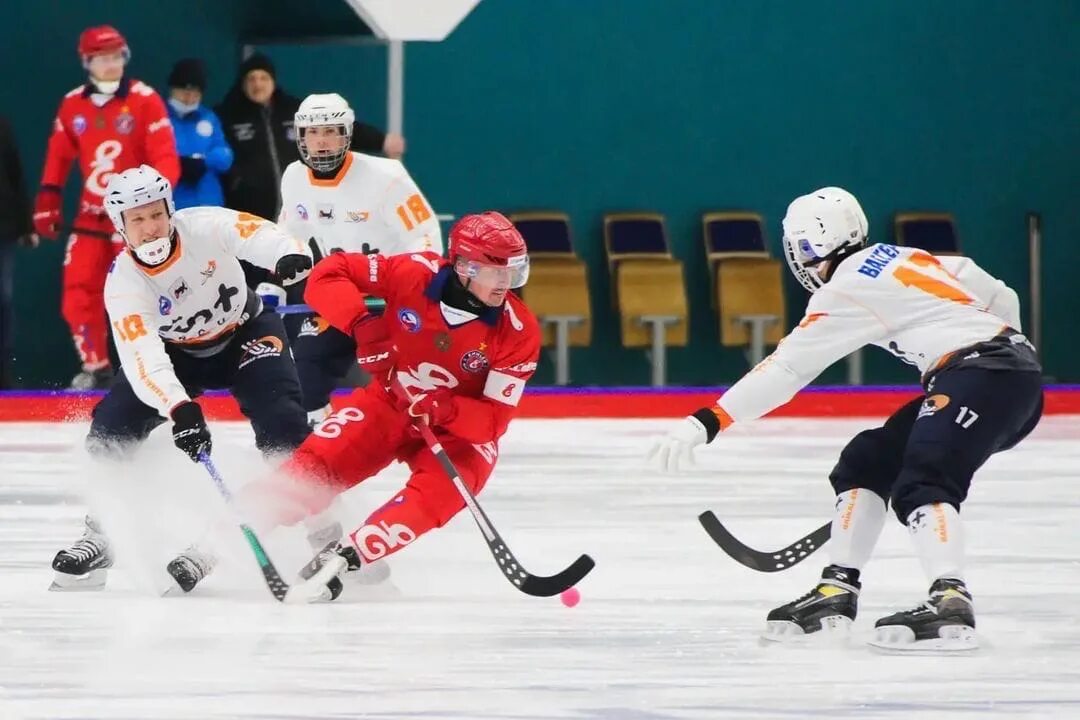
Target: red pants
x: 363, y: 436
x: 86, y: 264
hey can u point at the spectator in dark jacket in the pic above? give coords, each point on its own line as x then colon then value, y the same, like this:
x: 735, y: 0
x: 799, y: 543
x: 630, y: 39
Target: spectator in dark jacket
x: 15, y: 229
x: 257, y: 116
x: 200, y: 141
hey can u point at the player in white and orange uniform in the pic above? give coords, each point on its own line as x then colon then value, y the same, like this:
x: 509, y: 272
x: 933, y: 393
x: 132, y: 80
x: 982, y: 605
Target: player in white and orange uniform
x: 109, y: 124
x: 983, y: 393
x: 185, y: 321
x: 342, y: 201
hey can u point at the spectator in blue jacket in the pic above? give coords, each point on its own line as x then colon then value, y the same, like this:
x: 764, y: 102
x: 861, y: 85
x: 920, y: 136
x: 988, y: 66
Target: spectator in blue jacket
x: 204, y: 153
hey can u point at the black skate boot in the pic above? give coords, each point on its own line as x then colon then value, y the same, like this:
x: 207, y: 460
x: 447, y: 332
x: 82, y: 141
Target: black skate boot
x: 945, y: 622
x: 83, y: 565
x: 333, y: 549
x: 190, y: 566
x: 830, y: 607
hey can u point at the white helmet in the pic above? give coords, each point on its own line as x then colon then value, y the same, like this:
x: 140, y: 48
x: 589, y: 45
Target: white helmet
x: 131, y: 189
x: 321, y: 110
x: 817, y: 227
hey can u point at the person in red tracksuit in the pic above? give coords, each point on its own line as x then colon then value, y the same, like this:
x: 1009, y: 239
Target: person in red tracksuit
x: 110, y: 124
x: 459, y: 342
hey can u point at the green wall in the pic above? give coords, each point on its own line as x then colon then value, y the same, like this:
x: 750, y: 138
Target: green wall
x: 683, y: 106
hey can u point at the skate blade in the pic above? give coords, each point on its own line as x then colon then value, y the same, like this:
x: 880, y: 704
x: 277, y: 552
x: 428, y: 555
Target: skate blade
x: 314, y: 589
x: 92, y: 581
x: 835, y: 630
x: 900, y: 640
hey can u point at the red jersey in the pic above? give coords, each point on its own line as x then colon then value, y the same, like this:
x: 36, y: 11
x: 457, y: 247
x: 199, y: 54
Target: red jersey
x: 131, y: 128
x: 484, y: 360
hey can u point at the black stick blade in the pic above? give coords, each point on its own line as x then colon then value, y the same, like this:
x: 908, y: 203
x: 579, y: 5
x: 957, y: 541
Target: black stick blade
x: 776, y: 561
x: 540, y: 586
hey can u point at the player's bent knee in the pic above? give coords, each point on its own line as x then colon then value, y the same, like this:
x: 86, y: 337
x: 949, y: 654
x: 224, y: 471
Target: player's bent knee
x: 870, y: 460
x: 917, y: 487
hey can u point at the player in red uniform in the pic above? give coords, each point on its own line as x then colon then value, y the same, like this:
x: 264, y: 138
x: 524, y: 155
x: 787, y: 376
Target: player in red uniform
x: 462, y: 345
x: 110, y: 124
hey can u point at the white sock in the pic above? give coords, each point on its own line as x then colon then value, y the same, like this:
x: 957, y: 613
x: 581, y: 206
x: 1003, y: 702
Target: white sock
x: 857, y: 523
x: 938, y: 536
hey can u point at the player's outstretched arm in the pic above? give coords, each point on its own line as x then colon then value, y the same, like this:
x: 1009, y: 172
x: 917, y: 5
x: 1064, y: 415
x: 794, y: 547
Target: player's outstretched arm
x: 834, y: 327
x: 338, y: 285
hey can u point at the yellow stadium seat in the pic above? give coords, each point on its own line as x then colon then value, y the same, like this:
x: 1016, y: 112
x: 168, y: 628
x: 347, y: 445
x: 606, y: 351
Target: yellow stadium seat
x: 558, y: 288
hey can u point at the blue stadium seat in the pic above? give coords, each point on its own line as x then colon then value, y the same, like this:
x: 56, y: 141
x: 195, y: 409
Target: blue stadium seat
x: 934, y: 232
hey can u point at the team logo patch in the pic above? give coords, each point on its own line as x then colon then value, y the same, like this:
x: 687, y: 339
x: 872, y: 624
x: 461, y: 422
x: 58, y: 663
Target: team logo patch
x: 356, y: 216
x: 125, y: 123
x: 409, y: 320
x: 932, y: 404
x: 301, y: 211
x: 474, y: 361
x: 325, y: 212
x: 78, y: 124
x: 313, y: 326
x: 204, y: 128
x: 443, y: 342
x: 164, y: 305
x: 264, y: 347
x: 179, y: 290
x: 211, y: 268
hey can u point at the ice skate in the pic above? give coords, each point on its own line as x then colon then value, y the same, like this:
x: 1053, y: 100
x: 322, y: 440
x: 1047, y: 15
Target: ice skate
x: 190, y: 567
x: 344, y: 556
x: 83, y: 565
x: 944, y: 623
x: 829, y: 608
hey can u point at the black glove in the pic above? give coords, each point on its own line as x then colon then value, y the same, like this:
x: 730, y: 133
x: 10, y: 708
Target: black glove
x: 189, y: 431
x: 191, y: 170
x: 291, y: 269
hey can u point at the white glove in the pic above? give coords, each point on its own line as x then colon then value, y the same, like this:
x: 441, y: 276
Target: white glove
x: 676, y: 448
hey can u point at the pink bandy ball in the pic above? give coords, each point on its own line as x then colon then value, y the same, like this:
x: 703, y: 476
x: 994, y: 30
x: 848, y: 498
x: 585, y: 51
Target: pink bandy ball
x: 570, y: 597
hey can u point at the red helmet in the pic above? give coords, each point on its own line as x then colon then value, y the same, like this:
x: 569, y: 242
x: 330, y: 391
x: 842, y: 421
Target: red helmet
x: 489, y: 240
x: 100, y: 40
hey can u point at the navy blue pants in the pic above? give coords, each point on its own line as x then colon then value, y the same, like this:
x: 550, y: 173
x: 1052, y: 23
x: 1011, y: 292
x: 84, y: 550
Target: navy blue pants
x: 324, y: 356
x: 929, y: 449
x: 255, y: 366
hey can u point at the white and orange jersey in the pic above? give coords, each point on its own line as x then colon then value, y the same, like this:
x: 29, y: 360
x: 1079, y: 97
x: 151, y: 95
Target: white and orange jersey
x: 371, y: 205
x: 194, y: 300
x: 919, y: 307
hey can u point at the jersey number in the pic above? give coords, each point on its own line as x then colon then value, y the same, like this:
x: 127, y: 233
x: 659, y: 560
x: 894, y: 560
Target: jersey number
x: 130, y: 328
x: 908, y: 276
x: 413, y: 212
x: 247, y: 224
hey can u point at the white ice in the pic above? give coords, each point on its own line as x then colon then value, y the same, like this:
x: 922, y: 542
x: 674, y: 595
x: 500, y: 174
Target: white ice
x: 667, y: 628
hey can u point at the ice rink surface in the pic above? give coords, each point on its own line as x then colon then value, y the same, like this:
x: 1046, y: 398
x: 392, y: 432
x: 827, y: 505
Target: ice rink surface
x: 667, y: 628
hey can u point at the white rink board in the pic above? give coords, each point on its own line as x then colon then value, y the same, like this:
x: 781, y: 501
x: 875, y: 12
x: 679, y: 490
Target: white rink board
x: 667, y: 627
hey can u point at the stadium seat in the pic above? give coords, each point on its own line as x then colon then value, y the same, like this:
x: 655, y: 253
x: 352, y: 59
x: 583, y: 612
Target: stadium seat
x: 747, y: 285
x: 648, y: 288
x: 558, y: 287
x: 934, y: 232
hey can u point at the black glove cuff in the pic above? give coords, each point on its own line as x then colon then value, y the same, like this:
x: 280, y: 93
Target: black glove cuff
x: 189, y: 411
x: 708, y: 418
